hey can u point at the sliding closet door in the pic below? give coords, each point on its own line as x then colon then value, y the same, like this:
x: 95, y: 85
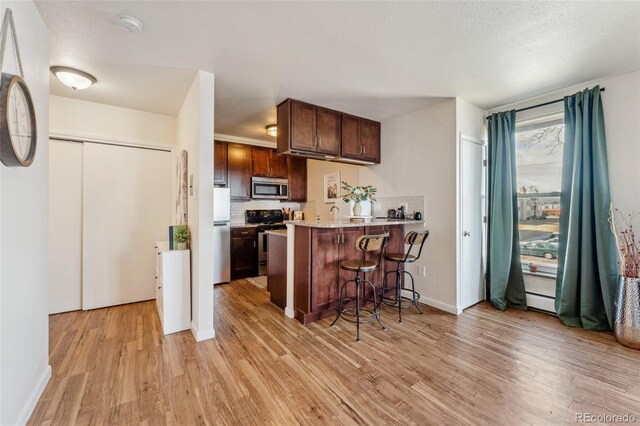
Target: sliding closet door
x: 65, y: 226
x: 126, y: 209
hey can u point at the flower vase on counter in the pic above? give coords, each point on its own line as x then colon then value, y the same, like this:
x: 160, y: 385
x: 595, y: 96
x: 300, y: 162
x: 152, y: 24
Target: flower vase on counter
x: 360, y: 198
x: 357, y: 208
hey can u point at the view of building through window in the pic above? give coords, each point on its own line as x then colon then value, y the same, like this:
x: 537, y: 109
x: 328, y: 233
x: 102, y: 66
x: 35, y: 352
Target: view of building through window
x: 539, y: 163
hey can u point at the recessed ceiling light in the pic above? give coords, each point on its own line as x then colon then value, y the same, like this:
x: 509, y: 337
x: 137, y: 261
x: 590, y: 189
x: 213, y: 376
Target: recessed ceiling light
x: 272, y: 130
x: 76, y: 79
x: 130, y: 24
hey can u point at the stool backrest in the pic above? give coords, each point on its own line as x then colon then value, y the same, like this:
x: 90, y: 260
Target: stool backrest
x: 415, y: 239
x: 369, y: 243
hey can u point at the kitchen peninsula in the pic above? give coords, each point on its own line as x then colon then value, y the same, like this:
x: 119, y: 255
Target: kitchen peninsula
x: 314, y: 252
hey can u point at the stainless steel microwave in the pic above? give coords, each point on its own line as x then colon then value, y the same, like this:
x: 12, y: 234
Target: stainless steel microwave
x: 269, y: 188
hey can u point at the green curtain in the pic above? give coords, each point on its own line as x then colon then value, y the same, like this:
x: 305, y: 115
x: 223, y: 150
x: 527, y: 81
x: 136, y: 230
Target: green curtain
x: 504, y: 271
x: 587, y: 267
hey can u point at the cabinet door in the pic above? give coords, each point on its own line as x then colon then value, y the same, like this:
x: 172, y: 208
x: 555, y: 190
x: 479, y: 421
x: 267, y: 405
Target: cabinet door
x: 244, y: 258
x: 325, y: 253
x: 370, y: 140
x: 277, y: 165
x: 348, y: 251
x: 303, y: 126
x: 239, y: 171
x: 297, y: 176
x: 260, y: 161
x: 328, y: 131
x: 351, y: 147
x: 219, y: 163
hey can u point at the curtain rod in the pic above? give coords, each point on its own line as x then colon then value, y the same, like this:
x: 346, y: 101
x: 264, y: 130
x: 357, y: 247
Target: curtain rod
x: 541, y: 105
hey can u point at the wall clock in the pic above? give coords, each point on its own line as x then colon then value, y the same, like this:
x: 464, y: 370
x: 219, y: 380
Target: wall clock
x: 18, y: 133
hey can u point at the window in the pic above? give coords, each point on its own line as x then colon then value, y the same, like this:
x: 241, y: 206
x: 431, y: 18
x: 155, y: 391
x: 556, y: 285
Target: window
x: 539, y: 163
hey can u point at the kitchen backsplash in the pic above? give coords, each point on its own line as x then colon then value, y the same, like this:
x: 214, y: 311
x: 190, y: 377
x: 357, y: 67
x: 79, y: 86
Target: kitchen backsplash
x: 312, y: 209
x: 238, y: 208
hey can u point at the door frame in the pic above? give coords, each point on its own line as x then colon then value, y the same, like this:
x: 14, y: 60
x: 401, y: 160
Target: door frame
x: 462, y: 138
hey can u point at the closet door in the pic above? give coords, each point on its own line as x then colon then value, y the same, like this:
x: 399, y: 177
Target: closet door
x: 126, y: 209
x: 65, y: 226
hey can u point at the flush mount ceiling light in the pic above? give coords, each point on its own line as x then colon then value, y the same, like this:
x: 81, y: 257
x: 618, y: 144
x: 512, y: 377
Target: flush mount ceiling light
x: 76, y: 79
x: 272, y: 130
x: 130, y: 24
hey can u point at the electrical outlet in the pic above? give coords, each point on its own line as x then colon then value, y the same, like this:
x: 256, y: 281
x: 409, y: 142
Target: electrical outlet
x: 422, y: 271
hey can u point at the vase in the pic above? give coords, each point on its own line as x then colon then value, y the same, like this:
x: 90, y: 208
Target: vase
x: 357, y: 208
x: 182, y: 246
x: 626, y: 325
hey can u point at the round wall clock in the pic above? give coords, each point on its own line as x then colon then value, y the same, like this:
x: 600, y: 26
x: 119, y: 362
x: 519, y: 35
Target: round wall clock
x: 17, y: 122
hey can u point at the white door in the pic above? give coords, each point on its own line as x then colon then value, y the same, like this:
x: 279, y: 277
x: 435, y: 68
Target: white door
x: 127, y: 208
x: 65, y: 226
x: 472, y: 179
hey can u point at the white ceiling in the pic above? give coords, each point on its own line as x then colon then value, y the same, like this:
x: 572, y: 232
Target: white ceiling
x: 376, y: 59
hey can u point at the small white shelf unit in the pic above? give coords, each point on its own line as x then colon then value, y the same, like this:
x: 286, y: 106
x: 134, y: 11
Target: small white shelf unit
x: 173, y: 288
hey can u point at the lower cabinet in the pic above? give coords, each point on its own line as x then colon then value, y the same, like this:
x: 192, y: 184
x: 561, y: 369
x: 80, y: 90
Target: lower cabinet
x: 173, y: 288
x: 317, y: 273
x: 244, y: 252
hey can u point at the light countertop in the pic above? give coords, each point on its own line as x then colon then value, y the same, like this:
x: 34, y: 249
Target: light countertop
x: 345, y: 223
x: 278, y: 232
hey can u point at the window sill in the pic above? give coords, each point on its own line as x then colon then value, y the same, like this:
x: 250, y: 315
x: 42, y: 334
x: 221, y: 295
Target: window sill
x: 540, y: 275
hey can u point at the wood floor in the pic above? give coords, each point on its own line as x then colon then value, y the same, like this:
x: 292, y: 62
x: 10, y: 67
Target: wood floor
x: 113, y: 366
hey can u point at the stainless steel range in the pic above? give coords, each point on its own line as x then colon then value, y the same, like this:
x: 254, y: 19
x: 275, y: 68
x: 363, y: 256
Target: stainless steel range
x: 266, y: 220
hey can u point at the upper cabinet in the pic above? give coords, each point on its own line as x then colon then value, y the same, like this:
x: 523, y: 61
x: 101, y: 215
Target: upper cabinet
x: 318, y: 132
x: 239, y: 171
x: 297, y: 177
x: 220, y: 163
x: 265, y: 162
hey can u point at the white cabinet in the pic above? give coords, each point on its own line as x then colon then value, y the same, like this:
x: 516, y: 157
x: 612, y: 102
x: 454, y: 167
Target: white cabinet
x: 173, y: 295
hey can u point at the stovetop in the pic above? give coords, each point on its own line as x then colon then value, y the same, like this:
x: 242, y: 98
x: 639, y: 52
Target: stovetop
x: 264, y: 217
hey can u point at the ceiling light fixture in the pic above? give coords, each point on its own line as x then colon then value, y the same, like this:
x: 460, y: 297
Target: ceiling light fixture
x: 76, y: 79
x: 272, y: 130
x: 130, y: 24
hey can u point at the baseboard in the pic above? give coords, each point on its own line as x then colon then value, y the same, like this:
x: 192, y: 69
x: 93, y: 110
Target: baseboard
x: 35, y: 396
x: 289, y: 312
x: 440, y: 305
x: 202, y: 335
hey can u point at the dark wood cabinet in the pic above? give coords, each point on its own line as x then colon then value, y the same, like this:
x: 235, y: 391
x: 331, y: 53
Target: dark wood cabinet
x: 220, y: 163
x: 360, y: 139
x: 327, y: 131
x: 395, y: 245
x: 325, y: 269
x: 239, y: 171
x: 297, y: 177
x: 277, y: 270
x: 303, y: 126
x: 265, y: 162
x: 244, y: 253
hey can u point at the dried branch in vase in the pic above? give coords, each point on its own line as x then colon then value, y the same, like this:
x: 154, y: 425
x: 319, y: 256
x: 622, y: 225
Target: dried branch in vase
x: 627, y: 243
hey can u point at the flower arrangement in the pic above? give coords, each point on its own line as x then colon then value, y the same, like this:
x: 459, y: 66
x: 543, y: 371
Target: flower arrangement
x: 627, y: 242
x: 358, y: 193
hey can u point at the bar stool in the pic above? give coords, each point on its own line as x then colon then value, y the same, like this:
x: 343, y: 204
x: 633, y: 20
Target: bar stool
x: 365, y: 244
x: 412, y: 239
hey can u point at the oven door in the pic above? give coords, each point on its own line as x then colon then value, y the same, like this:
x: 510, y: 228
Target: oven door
x: 265, y: 188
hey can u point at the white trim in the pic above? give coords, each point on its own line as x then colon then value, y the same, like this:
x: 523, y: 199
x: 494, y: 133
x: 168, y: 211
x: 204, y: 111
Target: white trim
x: 440, y: 305
x: 245, y: 141
x: 202, y: 335
x: 291, y: 245
x: 31, y: 402
x: 289, y: 312
x: 95, y: 138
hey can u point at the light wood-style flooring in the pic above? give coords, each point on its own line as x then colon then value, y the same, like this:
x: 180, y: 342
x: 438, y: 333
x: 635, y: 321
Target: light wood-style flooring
x: 113, y: 366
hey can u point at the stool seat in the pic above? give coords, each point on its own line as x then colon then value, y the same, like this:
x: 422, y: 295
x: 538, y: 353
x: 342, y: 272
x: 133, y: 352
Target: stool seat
x: 399, y: 257
x: 355, y: 265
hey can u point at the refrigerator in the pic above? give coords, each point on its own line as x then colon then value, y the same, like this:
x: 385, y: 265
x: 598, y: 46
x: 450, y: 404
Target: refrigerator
x: 221, y: 235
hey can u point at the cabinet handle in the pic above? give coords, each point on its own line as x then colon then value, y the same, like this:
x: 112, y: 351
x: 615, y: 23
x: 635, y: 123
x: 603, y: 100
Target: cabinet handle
x: 244, y: 233
x: 319, y: 141
x: 315, y: 141
x: 364, y: 149
x: 159, y: 288
x: 254, y: 244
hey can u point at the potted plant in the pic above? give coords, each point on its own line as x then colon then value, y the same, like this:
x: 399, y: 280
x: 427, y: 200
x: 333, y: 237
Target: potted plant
x: 533, y: 267
x: 182, y: 238
x: 626, y: 325
x: 358, y: 195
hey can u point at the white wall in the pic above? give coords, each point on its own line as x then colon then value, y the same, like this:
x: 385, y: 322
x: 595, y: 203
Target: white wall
x: 82, y: 119
x: 24, y: 307
x: 195, y: 134
x: 418, y: 158
x: 316, y: 169
x: 621, y: 102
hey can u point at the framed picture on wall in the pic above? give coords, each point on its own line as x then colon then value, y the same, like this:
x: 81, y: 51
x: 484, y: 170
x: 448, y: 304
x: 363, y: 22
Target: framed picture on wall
x: 331, y: 187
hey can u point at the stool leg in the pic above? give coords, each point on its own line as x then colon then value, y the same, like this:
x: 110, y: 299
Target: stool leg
x: 413, y: 294
x: 399, y: 292
x: 375, y: 305
x: 339, y: 308
x: 358, y: 308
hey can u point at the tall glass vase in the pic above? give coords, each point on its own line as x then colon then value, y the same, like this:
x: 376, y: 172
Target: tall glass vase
x: 626, y: 326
